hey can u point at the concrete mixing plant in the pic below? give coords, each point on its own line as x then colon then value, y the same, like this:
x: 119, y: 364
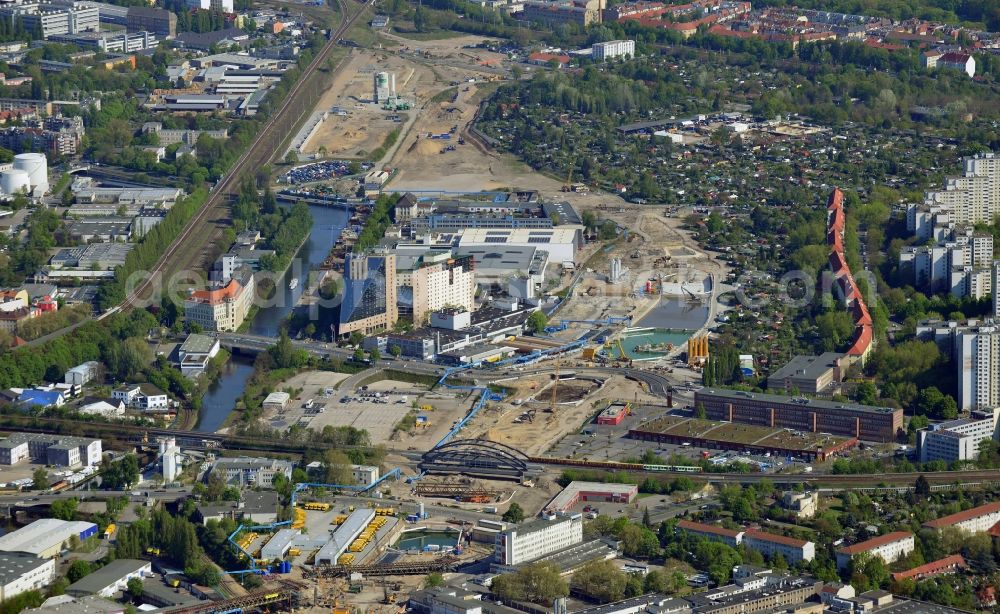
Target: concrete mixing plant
x: 35, y: 165
x: 385, y: 87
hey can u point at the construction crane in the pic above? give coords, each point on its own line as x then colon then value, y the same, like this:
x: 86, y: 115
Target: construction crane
x: 555, y: 389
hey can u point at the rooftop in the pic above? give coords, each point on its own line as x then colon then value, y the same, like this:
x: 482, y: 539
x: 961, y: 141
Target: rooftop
x: 786, y: 400
x: 13, y: 565
x: 874, y: 542
x: 969, y: 514
x: 106, y: 576
x: 42, y: 535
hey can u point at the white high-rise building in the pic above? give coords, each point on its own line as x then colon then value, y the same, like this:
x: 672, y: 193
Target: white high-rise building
x: 977, y: 352
x: 443, y: 281
x: 226, y: 6
x: 536, y: 538
x: 170, y: 464
x: 613, y: 49
x: 973, y: 197
x: 957, y: 440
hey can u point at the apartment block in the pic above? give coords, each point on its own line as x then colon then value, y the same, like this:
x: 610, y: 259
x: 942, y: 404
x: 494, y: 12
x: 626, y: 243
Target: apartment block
x: 167, y: 136
x: 973, y: 197
x: 957, y: 440
x: 976, y: 520
x: 536, y: 538
x: 770, y: 545
x: 889, y: 547
x: 710, y: 531
x: 613, y: 49
x: 555, y: 12
x: 54, y: 19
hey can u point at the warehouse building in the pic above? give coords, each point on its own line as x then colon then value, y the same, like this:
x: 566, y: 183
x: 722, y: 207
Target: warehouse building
x: 578, y: 491
x: 20, y: 573
x: 975, y: 520
x: 343, y: 536
x: 803, y: 414
x: 889, y: 547
x: 110, y: 579
x: 45, y: 538
x: 278, y: 546
x: 560, y: 242
x: 536, y: 538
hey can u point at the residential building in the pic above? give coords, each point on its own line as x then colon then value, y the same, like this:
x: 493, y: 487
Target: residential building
x: 20, y: 573
x: 793, y: 550
x: 50, y: 449
x: 555, y: 12
x: 537, y: 538
x: 196, y: 352
x: 711, y: 531
x: 158, y: 21
x: 110, y: 579
x: 889, y: 547
x: 803, y: 504
x: 145, y: 396
x: 975, y: 520
x: 111, y: 42
x: 613, y: 49
x: 949, y: 564
x: 808, y: 374
x: 45, y: 538
x: 973, y: 197
x: 226, y: 6
x: 846, y: 419
x: 577, y: 492
x: 250, y: 471
x: 83, y: 374
x: 222, y: 308
x: 370, y: 294
x: 42, y: 398
x: 958, y: 61
x: 958, y: 440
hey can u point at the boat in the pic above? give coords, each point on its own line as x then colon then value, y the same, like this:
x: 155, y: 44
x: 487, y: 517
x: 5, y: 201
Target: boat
x: 294, y: 283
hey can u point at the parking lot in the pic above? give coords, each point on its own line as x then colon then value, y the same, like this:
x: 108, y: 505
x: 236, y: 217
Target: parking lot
x: 321, y: 171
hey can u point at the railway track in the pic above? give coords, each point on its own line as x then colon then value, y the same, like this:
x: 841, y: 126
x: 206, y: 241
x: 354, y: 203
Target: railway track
x: 259, y: 153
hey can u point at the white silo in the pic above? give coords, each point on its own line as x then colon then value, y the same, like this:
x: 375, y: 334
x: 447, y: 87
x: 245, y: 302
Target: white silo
x: 36, y: 167
x: 13, y: 181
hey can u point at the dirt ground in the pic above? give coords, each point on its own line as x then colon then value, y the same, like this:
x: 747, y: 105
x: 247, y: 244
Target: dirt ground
x: 497, y: 421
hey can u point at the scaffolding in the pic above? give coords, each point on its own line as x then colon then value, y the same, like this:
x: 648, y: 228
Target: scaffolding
x: 445, y: 563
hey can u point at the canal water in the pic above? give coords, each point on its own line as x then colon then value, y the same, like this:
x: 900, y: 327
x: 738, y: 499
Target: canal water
x: 221, y: 397
x: 418, y: 539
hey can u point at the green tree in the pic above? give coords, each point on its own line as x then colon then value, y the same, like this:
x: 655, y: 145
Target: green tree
x: 64, y: 509
x: 40, y: 479
x: 134, y: 587
x: 395, y: 350
x: 77, y: 570
x: 514, y: 513
x: 435, y: 578
x: 600, y: 580
x: 534, y: 582
x: 537, y: 322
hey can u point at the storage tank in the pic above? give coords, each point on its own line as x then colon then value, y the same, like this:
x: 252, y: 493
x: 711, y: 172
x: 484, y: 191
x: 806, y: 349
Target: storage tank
x: 36, y: 167
x: 13, y: 181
